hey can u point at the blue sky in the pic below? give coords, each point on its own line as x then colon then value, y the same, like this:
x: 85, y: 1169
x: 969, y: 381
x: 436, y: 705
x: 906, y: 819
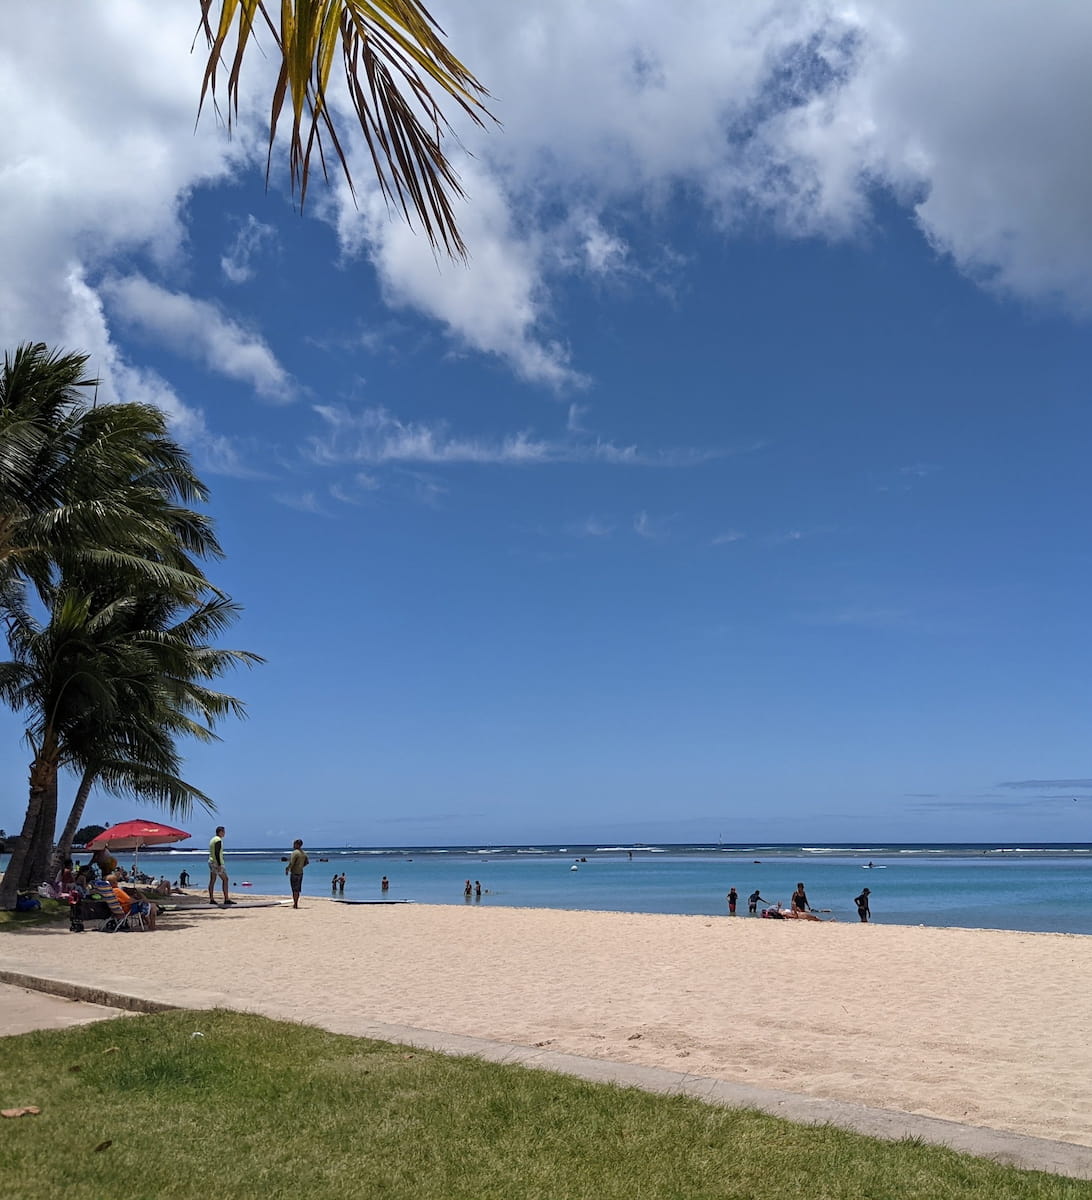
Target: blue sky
x: 736, y: 488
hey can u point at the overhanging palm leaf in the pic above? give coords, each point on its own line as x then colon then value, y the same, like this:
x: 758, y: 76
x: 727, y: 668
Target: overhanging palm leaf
x: 391, y: 50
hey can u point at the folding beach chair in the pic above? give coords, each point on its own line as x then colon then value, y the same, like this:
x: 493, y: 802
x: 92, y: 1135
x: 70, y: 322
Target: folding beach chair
x: 119, y: 918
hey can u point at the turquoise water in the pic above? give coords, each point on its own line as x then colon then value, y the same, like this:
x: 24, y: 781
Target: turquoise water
x: 1028, y: 887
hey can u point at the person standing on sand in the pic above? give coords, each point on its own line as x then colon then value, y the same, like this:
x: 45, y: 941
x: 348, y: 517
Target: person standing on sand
x: 733, y: 896
x: 863, y: 911
x: 297, y: 860
x: 217, y: 870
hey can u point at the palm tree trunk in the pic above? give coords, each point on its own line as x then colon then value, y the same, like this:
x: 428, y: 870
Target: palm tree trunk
x: 31, y: 857
x: 40, y: 860
x: 64, y: 845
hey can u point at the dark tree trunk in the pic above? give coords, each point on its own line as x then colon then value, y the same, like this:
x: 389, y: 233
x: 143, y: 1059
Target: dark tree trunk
x: 29, y: 864
x: 64, y: 845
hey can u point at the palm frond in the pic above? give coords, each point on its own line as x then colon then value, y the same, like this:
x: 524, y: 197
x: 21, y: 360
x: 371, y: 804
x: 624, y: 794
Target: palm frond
x: 391, y: 52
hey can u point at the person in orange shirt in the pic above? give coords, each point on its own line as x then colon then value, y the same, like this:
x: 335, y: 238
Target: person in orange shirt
x: 144, y: 907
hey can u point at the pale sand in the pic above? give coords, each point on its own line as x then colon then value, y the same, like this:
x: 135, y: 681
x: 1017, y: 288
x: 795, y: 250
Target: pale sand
x: 984, y: 1027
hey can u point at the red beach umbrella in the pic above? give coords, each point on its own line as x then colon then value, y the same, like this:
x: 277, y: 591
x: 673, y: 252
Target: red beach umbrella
x: 131, y: 835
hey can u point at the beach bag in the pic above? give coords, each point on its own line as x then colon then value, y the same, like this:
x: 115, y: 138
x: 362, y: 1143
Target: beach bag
x: 27, y: 903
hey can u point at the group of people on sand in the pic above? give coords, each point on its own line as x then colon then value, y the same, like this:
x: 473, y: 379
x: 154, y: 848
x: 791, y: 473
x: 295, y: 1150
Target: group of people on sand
x: 799, y: 908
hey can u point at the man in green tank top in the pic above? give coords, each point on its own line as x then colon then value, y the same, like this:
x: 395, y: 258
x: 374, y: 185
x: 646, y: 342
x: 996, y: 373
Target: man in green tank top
x: 217, y: 870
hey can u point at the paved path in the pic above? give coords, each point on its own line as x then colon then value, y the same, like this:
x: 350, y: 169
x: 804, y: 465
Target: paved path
x: 23, y: 1010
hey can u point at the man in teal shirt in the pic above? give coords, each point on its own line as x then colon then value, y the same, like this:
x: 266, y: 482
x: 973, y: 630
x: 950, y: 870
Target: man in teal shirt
x: 217, y: 870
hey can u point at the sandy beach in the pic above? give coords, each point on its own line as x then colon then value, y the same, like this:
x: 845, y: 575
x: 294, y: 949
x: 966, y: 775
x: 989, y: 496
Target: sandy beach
x: 983, y: 1027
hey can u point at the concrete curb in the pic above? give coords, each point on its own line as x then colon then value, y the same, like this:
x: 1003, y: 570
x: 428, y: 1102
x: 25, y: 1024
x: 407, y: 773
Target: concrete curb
x: 1009, y: 1149
x: 81, y: 991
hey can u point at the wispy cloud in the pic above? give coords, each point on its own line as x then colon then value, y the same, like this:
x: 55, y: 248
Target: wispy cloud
x: 253, y: 237
x: 306, y: 502
x: 995, y: 804
x: 200, y: 330
x: 727, y: 538
x: 590, y: 527
x: 376, y: 436
x: 863, y: 616
x: 652, y: 528
x: 573, y: 422
x: 1067, y: 785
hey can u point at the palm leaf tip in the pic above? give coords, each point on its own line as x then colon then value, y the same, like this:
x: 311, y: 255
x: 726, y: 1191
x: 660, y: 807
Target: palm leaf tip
x: 397, y: 70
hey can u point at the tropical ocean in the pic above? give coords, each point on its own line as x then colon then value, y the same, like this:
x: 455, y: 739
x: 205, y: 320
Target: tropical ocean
x: 1031, y: 886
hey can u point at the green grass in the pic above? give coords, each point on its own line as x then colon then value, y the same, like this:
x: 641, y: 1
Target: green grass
x: 263, y: 1109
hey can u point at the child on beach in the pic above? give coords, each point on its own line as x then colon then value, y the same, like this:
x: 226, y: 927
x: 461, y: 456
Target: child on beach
x: 733, y: 896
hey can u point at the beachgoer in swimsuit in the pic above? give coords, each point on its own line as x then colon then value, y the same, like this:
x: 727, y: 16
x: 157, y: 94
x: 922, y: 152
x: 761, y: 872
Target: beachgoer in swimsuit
x: 752, y: 901
x: 733, y: 896
x: 863, y: 911
x: 800, y: 899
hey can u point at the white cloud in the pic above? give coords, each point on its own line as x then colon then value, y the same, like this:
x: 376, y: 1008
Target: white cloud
x: 251, y: 240
x: 590, y: 527
x: 376, y: 436
x: 85, y: 327
x: 969, y: 113
x: 792, y: 110
x: 498, y: 304
x: 652, y: 528
x: 99, y: 153
x: 200, y: 330
x: 727, y: 538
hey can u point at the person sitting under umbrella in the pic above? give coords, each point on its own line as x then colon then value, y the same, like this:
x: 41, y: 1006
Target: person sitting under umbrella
x: 144, y: 907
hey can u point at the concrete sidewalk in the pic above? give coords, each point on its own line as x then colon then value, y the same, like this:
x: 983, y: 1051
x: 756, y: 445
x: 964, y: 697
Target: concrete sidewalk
x: 89, y: 1000
x: 23, y: 1010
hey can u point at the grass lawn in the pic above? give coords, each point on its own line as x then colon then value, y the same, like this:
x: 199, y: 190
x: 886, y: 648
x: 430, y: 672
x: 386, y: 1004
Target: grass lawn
x: 142, y: 1109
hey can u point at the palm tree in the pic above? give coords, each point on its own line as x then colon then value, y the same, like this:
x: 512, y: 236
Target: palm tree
x: 108, y: 686
x: 93, y: 485
x: 90, y: 498
x: 135, y: 752
x: 391, y: 51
